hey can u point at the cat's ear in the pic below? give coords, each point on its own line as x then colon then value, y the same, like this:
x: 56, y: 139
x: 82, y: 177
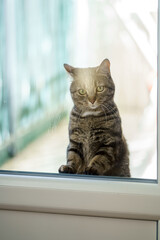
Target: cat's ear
x: 69, y: 69
x: 104, y: 67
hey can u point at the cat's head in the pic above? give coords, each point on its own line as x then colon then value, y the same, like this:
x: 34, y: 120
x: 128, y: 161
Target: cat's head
x: 91, y: 88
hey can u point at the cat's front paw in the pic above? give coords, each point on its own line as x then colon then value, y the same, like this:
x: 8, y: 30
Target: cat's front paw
x: 66, y: 169
x: 91, y: 170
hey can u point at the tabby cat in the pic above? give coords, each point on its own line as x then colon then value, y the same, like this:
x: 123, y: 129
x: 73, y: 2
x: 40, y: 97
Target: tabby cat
x: 97, y: 145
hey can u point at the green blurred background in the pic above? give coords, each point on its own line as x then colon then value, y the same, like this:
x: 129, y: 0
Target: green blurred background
x: 33, y: 48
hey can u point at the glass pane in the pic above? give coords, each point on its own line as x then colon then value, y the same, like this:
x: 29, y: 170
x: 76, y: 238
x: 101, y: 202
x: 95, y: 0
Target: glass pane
x: 37, y: 38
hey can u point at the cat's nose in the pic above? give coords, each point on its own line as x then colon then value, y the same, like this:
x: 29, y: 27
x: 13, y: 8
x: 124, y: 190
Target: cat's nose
x: 92, y: 99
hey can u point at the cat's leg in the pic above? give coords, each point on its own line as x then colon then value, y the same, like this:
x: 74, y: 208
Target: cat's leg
x: 74, y: 159
x: 101, y: 163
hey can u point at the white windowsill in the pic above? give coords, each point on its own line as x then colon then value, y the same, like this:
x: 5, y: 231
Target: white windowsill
x: 134, y: 200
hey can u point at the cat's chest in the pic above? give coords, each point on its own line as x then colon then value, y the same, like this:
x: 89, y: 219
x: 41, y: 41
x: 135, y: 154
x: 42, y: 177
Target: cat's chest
x: 88, y: 130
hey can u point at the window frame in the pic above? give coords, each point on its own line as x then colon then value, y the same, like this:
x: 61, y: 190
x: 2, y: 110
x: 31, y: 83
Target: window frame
x: 131, y: 199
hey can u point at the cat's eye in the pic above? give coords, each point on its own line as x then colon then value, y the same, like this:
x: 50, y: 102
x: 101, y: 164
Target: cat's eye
x: 82, y: 91
x: 100, y: 88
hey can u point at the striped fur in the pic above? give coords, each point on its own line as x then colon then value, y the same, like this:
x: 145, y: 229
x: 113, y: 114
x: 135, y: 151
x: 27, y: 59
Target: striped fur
x: 97, y: 145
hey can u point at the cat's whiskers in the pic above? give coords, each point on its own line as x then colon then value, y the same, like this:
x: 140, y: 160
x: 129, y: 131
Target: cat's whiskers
x: 79, y: 116
x: 107, y: 108
x: 103, y: 111
x: 112, y: 109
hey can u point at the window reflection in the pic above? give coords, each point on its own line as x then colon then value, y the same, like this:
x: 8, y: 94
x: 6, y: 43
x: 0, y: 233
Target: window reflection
x: 36, y: 38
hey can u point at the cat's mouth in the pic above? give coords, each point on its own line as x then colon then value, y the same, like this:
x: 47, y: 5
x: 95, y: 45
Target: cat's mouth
x: 93, y: 106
